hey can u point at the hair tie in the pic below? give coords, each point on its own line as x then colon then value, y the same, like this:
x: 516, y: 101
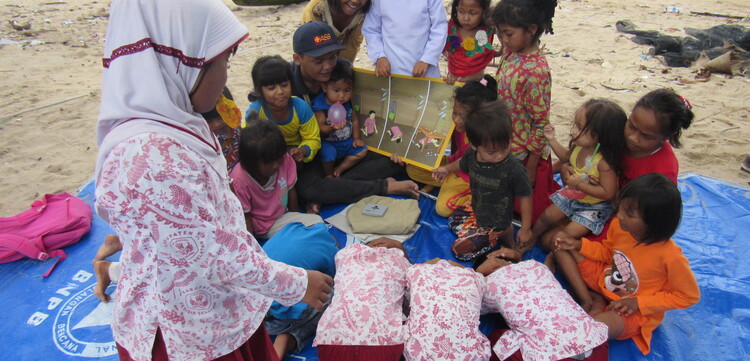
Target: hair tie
x: 229, y: 111
x: 687, y: 103
x: 483, y: 81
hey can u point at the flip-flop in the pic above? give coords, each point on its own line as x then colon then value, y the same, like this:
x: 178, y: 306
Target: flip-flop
x: 746, y: 163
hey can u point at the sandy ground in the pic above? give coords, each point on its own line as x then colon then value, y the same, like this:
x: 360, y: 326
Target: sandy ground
x: 51, y: 74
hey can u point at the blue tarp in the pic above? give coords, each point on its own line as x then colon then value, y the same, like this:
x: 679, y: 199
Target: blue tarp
x: 59, y: 318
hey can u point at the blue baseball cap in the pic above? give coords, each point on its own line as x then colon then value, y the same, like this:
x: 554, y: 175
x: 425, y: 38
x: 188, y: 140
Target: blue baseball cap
x: 314, y: 39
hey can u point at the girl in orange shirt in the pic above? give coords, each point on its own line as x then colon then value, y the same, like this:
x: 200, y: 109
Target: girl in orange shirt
x: 637, y: 273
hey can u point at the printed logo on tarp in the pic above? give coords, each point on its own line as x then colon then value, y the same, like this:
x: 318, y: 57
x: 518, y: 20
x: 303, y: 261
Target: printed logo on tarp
x: 81, y: 324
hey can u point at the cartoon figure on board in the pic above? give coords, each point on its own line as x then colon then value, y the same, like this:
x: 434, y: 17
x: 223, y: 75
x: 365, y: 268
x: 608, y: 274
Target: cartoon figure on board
x: 396, y: 134
x: 369, y: 127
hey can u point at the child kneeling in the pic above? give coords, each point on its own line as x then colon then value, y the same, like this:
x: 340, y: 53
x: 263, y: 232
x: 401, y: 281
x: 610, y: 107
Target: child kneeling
x: 339, y: 141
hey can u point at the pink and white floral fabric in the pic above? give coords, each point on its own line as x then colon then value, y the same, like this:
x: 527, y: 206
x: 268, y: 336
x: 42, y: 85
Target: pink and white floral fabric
x: 367, y: 306
x: 444, y: 318
x: 545, y: 322
x: 189, y: 267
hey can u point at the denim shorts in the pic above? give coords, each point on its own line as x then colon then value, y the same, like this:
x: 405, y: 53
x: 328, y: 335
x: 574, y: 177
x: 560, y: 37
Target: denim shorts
x: 591, y: 215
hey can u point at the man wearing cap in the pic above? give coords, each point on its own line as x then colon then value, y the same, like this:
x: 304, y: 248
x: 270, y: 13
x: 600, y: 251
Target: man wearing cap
x: 316, y: 50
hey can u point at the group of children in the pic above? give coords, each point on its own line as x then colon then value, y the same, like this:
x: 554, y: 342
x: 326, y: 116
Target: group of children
x: 500, y: 165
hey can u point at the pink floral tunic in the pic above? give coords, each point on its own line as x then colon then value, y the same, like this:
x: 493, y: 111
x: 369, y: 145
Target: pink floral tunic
x: 367, y: 306
x: 545, y: 322
x: 444, y: 317
x: 189, y: 267
x: 524, y: 83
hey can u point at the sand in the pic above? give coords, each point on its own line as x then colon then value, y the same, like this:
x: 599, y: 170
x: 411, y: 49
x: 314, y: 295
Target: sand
x: 51, y: 77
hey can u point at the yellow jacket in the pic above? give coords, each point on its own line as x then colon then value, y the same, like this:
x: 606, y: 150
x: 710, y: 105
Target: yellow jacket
x: 351, y: 37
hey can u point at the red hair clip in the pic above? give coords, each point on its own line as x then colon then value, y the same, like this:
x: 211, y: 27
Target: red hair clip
x: 687, y: 103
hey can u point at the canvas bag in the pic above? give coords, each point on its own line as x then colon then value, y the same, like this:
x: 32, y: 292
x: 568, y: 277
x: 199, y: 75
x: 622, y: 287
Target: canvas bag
x: 55, y: 221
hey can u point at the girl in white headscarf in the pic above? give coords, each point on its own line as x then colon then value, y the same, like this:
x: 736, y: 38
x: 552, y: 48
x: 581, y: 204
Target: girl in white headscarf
x: 195, y: 285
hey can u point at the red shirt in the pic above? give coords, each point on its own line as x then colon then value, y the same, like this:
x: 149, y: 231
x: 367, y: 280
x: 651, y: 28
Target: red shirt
x: 663, y: 161
x: 467, y: 56
x: 459, y: 145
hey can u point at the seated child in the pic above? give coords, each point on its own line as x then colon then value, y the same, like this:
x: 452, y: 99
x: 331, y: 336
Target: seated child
x: 273, y: 100
x: 496, y: 179
x: 310, y: 248
x: 638, y: 272
x: 340, y: 141
x: 544, y: 323
x: 596, y: 147
x: 264, y: 180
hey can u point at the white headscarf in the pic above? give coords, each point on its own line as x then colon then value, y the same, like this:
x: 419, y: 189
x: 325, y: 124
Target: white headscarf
x: 153, y: 54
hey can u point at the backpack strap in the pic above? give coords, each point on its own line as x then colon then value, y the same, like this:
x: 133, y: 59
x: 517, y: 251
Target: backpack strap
x: 31, y: 249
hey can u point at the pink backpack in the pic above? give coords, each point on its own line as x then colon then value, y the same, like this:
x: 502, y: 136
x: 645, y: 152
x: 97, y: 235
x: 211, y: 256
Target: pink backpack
x: 56, y: 221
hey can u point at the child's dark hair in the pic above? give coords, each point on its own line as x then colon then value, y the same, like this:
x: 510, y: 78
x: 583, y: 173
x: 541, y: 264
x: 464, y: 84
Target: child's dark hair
x: 260, y: 142
x: 489, y: 124
x: 476, y: 92
x: 484, y: 4
x: 269, y: 70
x: 213, y: 113
x: 659, y: 205
x: 671, y: 110
x: 335, y: 6
x: 342, y: 70
x: 525, y: 13
x: 606, y: 120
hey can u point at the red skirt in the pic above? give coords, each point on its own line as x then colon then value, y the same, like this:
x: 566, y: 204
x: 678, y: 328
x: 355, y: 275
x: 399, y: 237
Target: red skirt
x: 545, y: 186
x: 360, y: 353
x: 257, y: 348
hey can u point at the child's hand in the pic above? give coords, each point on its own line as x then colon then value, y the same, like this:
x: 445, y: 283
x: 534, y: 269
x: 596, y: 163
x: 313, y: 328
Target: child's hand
x: 298, y: 154
x: 420, y: 69
x: 565, y: 242
x: 491, y: 264
x: 440, y: 173
x: 383, y: 67
x: 318, y: 289
x: 507, y: 253
x: 386, y: 243
x: 395, y: 158
x: 338, y: 126
x: 523, y: 238
x: 450, y: 78
x: 625, y: 306
x: 358, y: 143
x: 549, y: 131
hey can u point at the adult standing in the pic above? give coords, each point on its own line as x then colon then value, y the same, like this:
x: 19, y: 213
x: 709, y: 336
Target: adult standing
x: 195, y: 284
x: 316, y: 50
x: 345, y: 17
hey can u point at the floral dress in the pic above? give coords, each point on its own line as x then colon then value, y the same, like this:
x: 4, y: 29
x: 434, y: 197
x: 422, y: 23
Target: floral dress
x: 468, y: 56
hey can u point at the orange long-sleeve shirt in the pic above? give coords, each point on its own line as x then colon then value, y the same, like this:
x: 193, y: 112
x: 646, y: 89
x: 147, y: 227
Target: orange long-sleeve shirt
x: 658, y: 275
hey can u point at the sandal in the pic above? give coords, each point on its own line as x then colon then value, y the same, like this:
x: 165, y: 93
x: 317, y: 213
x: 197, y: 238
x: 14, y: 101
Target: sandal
x: 746, y: 163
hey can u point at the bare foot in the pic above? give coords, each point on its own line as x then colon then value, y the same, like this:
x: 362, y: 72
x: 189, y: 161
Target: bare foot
x: 313, y: 208
x: 111, y: 246
x: 404, y: 188
x: 101, y: 270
